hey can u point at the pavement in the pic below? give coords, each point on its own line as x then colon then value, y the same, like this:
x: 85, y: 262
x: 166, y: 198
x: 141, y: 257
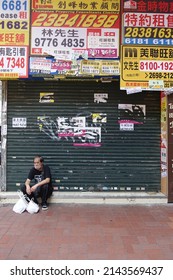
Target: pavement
x: 88, y: 231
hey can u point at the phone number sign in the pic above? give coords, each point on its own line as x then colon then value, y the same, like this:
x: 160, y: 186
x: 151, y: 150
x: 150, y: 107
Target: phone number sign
x: 68, y: 31
x: 13, y: 62
x: 147, y: 29
x: 144, y: 64
x: 14, y: 22
x: 14, y: 38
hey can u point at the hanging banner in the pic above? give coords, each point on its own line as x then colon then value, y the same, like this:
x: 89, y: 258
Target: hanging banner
x: 96, y: 34
x: 147, y: 67
x: 147, y: 29
x: 14, y: 38
x: 152, y: 6
x: 77, y: 5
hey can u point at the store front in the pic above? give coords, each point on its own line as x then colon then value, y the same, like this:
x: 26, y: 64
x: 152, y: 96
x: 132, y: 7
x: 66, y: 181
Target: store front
x: 94, y: 136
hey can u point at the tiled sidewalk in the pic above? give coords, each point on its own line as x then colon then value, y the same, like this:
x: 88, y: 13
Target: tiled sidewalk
x: 87, y: 231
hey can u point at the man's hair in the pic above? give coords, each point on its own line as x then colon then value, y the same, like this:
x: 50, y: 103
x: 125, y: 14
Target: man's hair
x: 40, y: 158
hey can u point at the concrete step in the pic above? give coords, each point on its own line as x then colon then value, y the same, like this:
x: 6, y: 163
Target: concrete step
x: 96, y: 197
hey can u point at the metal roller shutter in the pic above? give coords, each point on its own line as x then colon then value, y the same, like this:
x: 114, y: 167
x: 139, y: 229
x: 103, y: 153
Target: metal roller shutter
x: 114, y: 147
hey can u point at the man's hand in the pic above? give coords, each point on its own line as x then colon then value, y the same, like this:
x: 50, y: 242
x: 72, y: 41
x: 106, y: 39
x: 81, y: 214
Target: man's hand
x: 28, y: 190
x: 33, y: 188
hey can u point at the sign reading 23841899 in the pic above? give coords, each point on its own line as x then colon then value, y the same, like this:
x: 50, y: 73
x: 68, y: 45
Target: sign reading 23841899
x: 14, y: 38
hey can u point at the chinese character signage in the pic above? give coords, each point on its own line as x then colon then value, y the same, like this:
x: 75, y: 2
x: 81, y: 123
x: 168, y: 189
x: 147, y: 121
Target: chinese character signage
x: 149, y: 6
x: 147, y: 29
x: 19, y: 122
x: 94, y: 35
x: 147, y: 37
x: 77, y: 5
x: 98, y: 67
x: 14, y: 38
x: 141, y: 65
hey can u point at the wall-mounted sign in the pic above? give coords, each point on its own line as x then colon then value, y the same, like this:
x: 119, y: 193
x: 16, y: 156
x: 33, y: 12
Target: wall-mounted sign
x: 77, y: 5
x: 146, y: 63
x: 151, y: 6
x: 14, y: 38
x: 56, y: 32
x: 147, y: 29
x: 100, y: 67
x: 40, y: 66
x: 19, y: 122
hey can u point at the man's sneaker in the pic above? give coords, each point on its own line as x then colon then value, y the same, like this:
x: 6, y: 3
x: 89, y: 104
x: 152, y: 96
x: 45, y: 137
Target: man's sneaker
x: 44, y: 206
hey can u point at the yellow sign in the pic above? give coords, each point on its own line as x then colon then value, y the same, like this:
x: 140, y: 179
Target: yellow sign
x: 89, y: 67
x: 109, y: 67
x: 100, y: 67
x: 14, y: 38
x: 141, y: 65
x: 77, y: 5
x: 14, y: 23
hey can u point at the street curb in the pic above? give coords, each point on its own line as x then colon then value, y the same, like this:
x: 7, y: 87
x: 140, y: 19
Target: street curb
x: 95, y: 198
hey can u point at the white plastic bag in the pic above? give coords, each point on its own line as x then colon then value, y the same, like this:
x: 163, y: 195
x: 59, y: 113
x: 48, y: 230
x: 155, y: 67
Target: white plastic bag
x: 32, y: 207
x: 21, y: 205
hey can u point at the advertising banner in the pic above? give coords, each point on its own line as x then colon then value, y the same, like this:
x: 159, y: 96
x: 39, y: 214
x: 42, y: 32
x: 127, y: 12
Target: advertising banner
x: 77, y: 5
x: 147, y: 67
x: 149, y: 6
x: 55, y: 32
x: 14, y: 38
x: 49, y: 67
x: 147, y: 29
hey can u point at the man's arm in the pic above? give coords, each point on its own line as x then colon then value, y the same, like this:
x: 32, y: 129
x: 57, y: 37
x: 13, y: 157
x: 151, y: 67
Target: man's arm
x: 41, y: 183
x: 27, y: 184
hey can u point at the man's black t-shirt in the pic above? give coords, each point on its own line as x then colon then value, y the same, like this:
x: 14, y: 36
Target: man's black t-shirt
x: 39, y: 176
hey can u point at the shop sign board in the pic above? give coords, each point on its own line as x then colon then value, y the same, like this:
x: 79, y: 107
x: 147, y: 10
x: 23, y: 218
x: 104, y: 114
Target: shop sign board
x: 77, y: 5
x: 149, y: 6
x: 14, y: 38
x: 141, y: 65
x: 147, y: 29
x: 55, y: 32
